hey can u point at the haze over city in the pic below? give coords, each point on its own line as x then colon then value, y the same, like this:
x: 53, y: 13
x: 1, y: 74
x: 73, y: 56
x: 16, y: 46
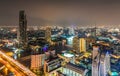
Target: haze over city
x: 61, y: 12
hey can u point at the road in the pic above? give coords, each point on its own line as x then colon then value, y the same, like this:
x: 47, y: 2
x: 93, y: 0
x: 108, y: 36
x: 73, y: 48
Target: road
x: 14, y: 66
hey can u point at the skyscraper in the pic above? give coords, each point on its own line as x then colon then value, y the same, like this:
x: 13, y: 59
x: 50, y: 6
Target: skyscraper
x: 104, y: 66
x: 22, y: 32
x: 37, y: 58
x: 95, y: 60
x: 82, y: 44
x: 79, y: 44
x: 76, y: 44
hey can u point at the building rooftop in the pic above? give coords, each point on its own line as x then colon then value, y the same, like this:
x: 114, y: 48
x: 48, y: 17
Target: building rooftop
x: 78, y: 69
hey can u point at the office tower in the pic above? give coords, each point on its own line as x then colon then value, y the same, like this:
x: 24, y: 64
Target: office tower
x: 93, y: 32
x: 82, y: 44
x: 37, y: 58
x: 36, y: 61
x: 76, y: 44
x: 95, y: 52
x: 104, y: 66
x: 79, y: 44
x: 48, y: 34
x: 107, y: 62
x: 95, y: 60
x: 22, y: 32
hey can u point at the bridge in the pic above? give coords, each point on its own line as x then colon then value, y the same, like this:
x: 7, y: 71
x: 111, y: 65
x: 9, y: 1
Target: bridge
x: 14, y: 66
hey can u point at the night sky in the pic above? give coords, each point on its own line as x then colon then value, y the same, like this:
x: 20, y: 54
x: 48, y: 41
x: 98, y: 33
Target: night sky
x: 61, y: 12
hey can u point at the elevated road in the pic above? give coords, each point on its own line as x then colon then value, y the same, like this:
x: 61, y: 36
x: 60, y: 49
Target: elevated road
x: 14, y: 66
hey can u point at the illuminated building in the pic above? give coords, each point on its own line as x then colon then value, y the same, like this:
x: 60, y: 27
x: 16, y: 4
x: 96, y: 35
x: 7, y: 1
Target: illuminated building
x: 71, y: 31
x: 36, y: 61
x: 95, y: 60
x: 76, y: 44
x: 93, y: 32
x: 107, y: 62
x: 70, y: 40
x: 51, y: 66
x: 95, y: 51
x: 100, y: 61
x: 79, y: 44
x: 37, y: 58
x: 22, y: 33
x: 67, y: 57
x: 82, y: 45
x: 73, y: 70
x: 104, y: 66
x: 48, y: 34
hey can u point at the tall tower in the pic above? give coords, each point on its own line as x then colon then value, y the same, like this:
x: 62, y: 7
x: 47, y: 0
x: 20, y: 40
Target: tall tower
x: 37, y: 58
x: 104, y: 67
x: 107, y: 62
x: 22, y: 34
x: 95, y: 60
x: 79, y: 44
x: 82, y: 44
x: 71, y: 31
x: 48, y: 34
x: 76, y: 44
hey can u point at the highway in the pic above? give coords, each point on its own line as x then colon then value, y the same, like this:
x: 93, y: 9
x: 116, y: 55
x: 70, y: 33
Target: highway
x: 14, y: 66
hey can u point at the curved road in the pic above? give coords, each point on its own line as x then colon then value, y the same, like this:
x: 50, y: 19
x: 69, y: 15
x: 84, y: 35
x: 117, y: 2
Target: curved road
x: 14, y: 66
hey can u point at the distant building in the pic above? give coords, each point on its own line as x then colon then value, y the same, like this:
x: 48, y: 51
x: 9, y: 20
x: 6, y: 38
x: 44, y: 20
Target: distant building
x: 93, y: 32
x: 76, y: 44
x: 82, y: 44
x: 48, y: 34
x: 79, y: 44
x: 71, y: 31
x: 22, y: 32
x: 89, y: 43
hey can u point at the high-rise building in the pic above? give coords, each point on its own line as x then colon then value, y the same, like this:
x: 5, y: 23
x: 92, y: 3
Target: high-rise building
x: 71, y: 31
x: 82, y: 44
x: 76, y: 44
x: 107, y: 62
x: 100, y: 61
x: 95, y: 60
x: 48, y: 34
x: 37, y: 61
x: 37, y: 58
x: 95, y: 52
x: 22, y: 32
x: 79, y: 44
x: 104, y: 66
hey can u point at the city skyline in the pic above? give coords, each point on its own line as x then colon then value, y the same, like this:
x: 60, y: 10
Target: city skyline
x: 60, y: 38
x: 72, y: 12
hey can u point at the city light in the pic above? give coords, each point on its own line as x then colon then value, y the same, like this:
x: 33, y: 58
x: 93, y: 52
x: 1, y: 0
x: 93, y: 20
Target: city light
x: 59, y: 38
